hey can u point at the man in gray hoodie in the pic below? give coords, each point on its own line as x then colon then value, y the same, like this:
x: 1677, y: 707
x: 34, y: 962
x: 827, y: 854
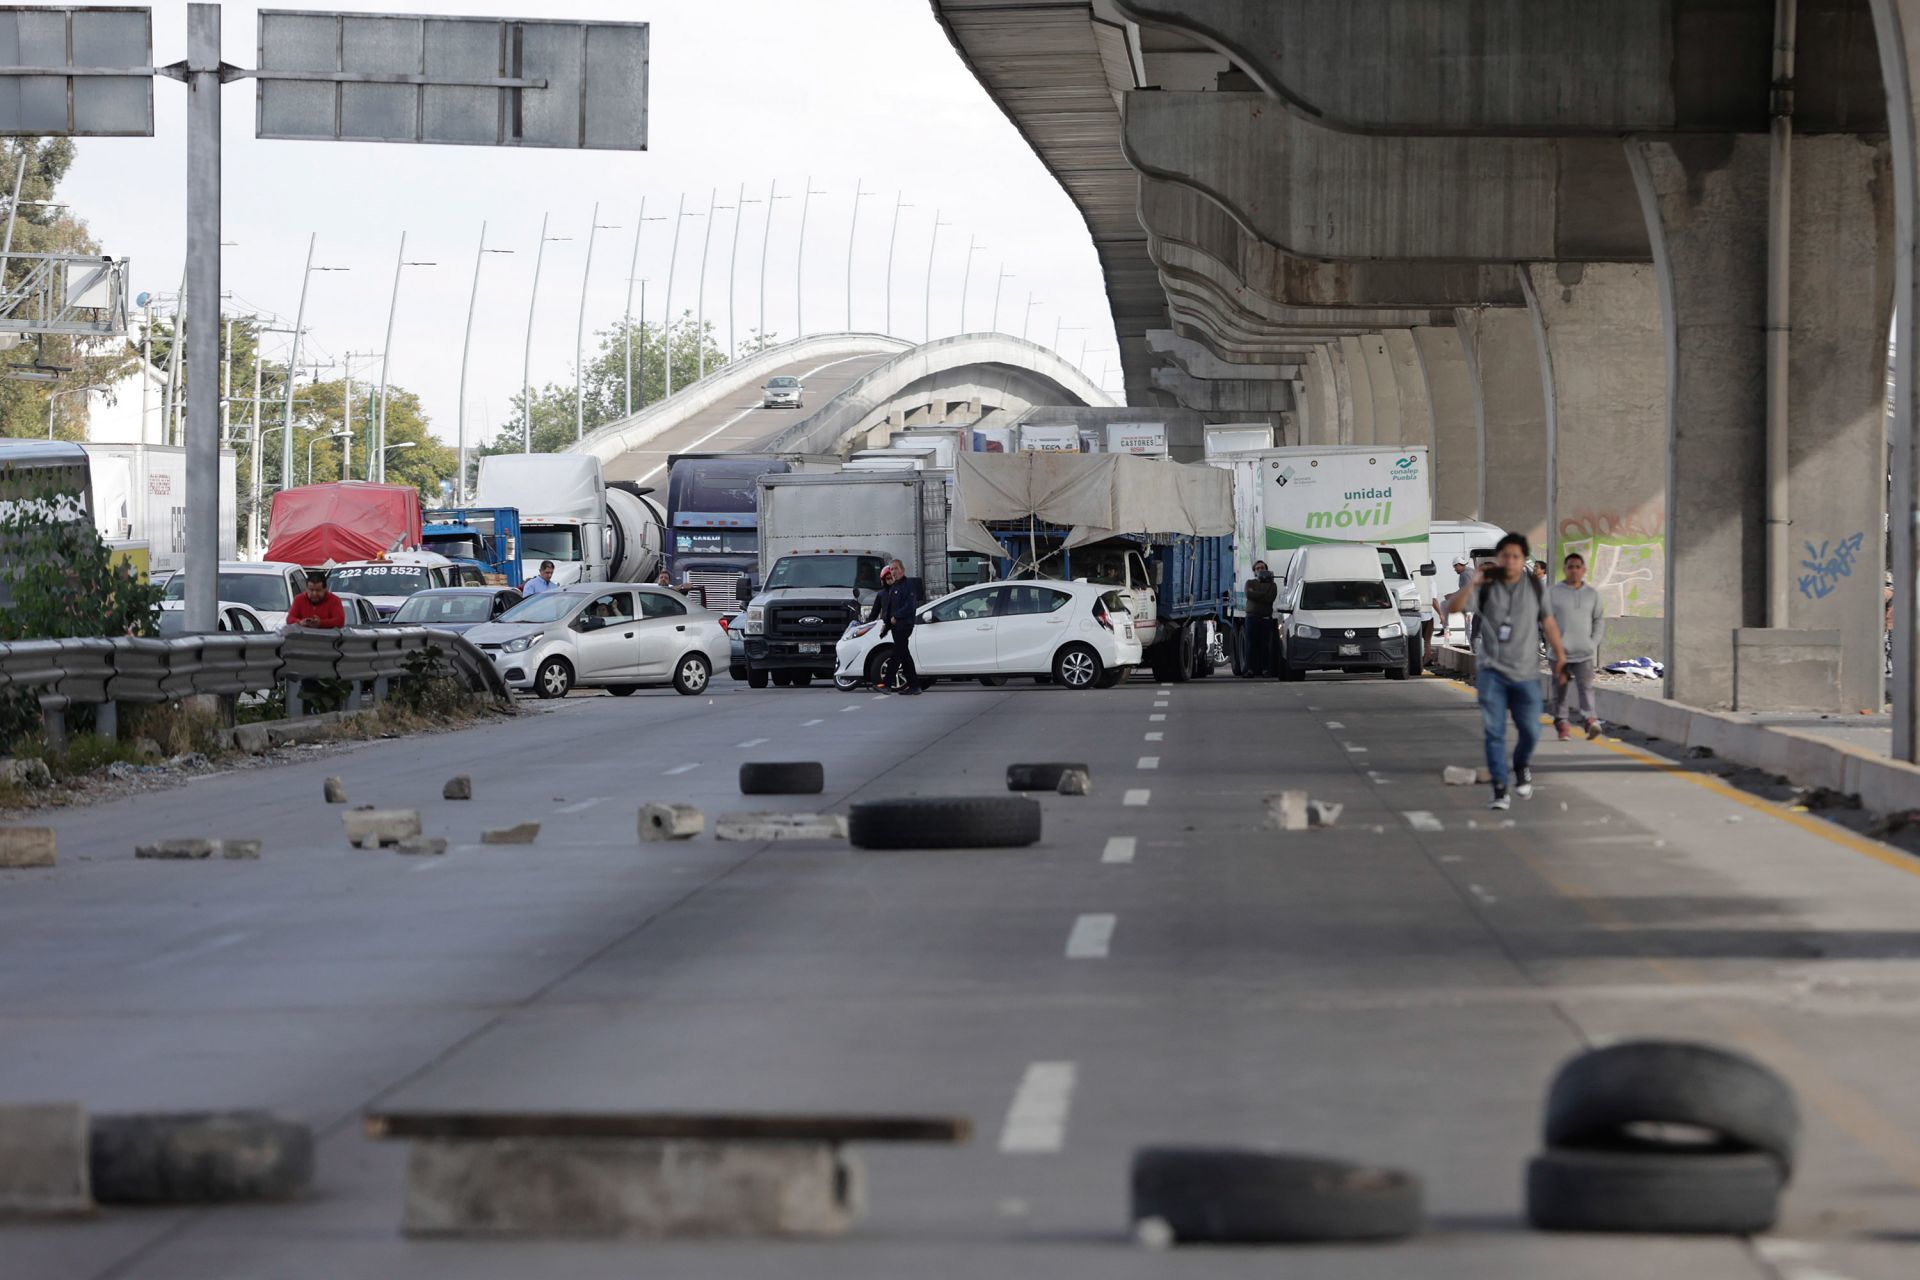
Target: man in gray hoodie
x: 1577, y: 609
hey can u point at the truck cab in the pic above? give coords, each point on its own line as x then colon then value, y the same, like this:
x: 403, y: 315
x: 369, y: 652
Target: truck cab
x: 1121, y: 565
x: 806, y: 604
x: 486, y: 539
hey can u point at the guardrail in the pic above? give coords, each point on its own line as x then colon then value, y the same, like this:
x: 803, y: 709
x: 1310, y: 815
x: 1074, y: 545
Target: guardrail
x: 103, y: 673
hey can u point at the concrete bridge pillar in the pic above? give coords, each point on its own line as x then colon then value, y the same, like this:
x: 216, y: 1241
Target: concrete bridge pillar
x: 1416, y: 404
x: 1359, y: 392
x: 1456, y: 429
x: 1320, y: 405
x: 1385, y: 389
x: 1512, y: 459
x: 1605, y: 390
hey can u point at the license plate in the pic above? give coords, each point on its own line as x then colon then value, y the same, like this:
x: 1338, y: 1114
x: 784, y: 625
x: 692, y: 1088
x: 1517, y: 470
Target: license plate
x: 1349, y: 650
x: 809, y: 648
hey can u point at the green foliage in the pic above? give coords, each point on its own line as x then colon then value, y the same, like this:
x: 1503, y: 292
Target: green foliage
x: 427, y: 690
x: 61, y: 581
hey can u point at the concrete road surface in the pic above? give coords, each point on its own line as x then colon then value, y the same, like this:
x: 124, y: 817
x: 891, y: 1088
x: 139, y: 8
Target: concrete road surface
x: 737, y: 424
x: 1397, y: 989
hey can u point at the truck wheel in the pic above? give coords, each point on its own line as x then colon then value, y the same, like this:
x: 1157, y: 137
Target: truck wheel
x: 1076, y: 666
x: 692, y: 675
x: 782, y: 679
x: 756, y: 679
x: 554, y: 679
x: 1180, y: 654
x: 801, y: 679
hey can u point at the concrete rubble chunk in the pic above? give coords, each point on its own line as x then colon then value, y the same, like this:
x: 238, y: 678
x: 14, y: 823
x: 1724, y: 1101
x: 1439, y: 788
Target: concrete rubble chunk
x: 1286, y: 811
x: 780, y: 826
x: 26, y: 772
x: 334, y: 791
x: 671, y: 822
x: 372, y: 828
x: 43, y: 1159
x: 22, y: 847
x: 521, y: 833
x: 431, y: 845
x: 1075, y: 782
x: 1457, y: 775
x: 148, y: 749
x: 1323, y: 813
x: 634, y: 1188
x: 458, y: 788
x: 239, y: 850
x: 252, y: 739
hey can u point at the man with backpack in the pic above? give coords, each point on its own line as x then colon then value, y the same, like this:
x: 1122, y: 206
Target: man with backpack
x: 1513, y: 614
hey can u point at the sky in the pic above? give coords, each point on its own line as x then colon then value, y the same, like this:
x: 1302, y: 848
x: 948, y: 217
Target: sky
x: 742, y: 91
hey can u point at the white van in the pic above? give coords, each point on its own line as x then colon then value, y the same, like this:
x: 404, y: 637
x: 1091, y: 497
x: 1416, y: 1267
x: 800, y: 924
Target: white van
x: 1450, y: 540
x: 1336, y: 613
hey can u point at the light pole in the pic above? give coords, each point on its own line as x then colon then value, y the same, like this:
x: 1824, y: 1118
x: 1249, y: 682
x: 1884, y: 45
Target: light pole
x: 526, y: 358
x: 898, y: 205
x: 766, y: 235
x: 926, y: 298
x: 254, y: 466
x: 700, y: 302
x: 386, y: 352
x: 293, y: 362
x: 740, y: 203
x: 466, y: 348
x: 1005, y: 275
x: 853, y: 226
x: 332, y: 435
x: 1060, y: 326
x: 626, y: 324
x: 1028, y: 318
x: 673, y: 261
x: 580, y: 329
x: 966, y: 278
x: 800, y: 264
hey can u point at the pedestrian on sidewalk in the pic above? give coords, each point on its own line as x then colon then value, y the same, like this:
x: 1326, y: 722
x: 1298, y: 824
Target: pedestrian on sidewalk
x: 1583, y: 624
x: 1262, y: 591
x: 1511, y: 608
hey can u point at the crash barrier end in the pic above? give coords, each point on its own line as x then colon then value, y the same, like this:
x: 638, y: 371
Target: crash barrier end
x: 198, y: 1157
x: 1075, y: 782
x: 197, y: 849
x: 459, y: 787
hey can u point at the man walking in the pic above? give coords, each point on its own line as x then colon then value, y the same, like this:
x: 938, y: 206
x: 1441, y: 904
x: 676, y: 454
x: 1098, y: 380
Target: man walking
x: 1261, y: 593
x: 1512, y: 614
x: 542, y: 581
x: 1583, y: 623
x: 898, y: 600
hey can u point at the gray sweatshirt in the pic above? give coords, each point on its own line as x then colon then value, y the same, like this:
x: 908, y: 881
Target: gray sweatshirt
x: 1583, y: 623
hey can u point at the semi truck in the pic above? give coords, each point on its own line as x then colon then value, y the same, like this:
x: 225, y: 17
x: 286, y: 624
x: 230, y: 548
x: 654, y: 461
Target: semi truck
x: 140, y: 501
x: 1162, y: 533
x: 569, y: 514
x: 823, y: 539
x: 713, y: 522
x: 486, y: 538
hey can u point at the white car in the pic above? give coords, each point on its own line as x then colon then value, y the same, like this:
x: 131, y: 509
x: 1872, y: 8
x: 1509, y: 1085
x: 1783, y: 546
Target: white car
x: 606, y: 635
x: 783, y: 392
x: 1078, y: 633
x: 267, y: 587
x: 232, y: 618
x: 390, y: 580
x: 360, y: 611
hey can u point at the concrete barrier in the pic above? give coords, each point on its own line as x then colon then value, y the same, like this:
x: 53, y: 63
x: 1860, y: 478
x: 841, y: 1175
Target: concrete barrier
x: 43, y: 1159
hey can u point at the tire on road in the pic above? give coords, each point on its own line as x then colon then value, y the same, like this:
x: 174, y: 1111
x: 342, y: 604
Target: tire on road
x: 623, y: 690
x: 1226, y: 1195
x: 1076, y: 666
x: 1038, y: 777
x: 554, y: 679
x: 993, y: 682
x: 1605, y: 1097
x: 782, y: 778
x: 945, y: 822
x: 205, y: 1157
x: 692, y: 674
x: 1652, y: 1192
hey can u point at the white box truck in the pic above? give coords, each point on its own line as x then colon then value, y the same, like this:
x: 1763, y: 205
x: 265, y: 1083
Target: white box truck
x: 140, y: 495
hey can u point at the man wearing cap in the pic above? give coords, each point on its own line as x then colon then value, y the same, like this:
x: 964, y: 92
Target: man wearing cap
x: 316, y: 607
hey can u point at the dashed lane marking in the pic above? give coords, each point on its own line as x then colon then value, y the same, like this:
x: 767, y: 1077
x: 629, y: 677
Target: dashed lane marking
x: 1161, y: 703
x: 1155, y: 736
x: 1037, y: 1119
x: 1351, y: 747
x: 580, y: 806
x: 1137, y: 797
x: 1378, y: 779
x: 1422, y: 820
x: 1155, y: 719
x: 1149, y: 762
x: 1119, y: 849
x: 752, y: 742
x: 809, y: 724
x: 1091, y: 937
x: 854, y: 707
x: 683, y: 768
x: 1482, y: 894
x: 1335, y: 724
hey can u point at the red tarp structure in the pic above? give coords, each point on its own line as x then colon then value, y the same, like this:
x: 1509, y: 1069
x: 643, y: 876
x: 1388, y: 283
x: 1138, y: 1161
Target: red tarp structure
x: 320, y: 524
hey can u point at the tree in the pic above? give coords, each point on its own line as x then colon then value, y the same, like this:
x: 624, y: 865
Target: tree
x: 317, y: 419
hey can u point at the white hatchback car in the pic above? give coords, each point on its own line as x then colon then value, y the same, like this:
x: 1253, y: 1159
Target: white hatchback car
x: 607, y: 635
x: 1078, y: 633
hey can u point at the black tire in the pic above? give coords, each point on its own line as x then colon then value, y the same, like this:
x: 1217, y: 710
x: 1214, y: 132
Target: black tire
x: 1076, y: 667
x: 623, y: 690
x: 554, y: 679
x: 1394, y: 673
x: 1285, y: 671
x: 1215, y: 1195
x: 692, y: 674
x: 877, y: 663
x: 993, y: 682
x: 945, y: 822
x: 782, y: 778
x: 845, y: 684
x: 1160, y: 662
x: 801, y: 679
x: 756, y: 679
x: 781, y: 679
x: 206, y: 1157
x: 1598, y: 1098
x: 1180, y: 656
x: 1416, y: 655
x: 1111, y: 678
x: 1038, y: 777
x: 1648, y: 1192
x: 1233, y: 638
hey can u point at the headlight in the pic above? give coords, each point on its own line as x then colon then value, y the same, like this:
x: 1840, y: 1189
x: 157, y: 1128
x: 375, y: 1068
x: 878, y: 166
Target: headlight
x: 524, y: 643
x: 1392, y: 629
x: 756, y: 617
x: 859, y: 629
x: 1305, y: 632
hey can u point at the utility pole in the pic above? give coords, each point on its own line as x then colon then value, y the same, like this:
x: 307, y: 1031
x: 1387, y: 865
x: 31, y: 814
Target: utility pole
x: 580, y: 330
x: 633, y: 264
x: 1005, y: 275
x: 466, y: 347
x: 966, y: 278
x: 766, y: 235
x: 253, y: 452
x: 800, y: 264
x: 386, y: 354
x: 203, y: 73
x: 293, y: 361
x: 673, y: 261
x: 740, y: 203
x: 700, y: 303
x: 926, y: 298
x: 894, y: 234
x: 853, y: 226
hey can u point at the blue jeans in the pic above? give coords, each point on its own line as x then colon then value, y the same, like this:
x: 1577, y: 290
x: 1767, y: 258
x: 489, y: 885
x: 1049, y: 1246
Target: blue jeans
x: 1501, y: 696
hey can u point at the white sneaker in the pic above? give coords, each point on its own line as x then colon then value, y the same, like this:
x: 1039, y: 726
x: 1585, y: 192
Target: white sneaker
x: 1500, y: 799
x: 1523, y: 783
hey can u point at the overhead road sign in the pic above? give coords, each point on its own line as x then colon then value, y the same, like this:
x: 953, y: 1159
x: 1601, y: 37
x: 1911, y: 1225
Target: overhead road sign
x: 362, y: 77
x: 73, y: 72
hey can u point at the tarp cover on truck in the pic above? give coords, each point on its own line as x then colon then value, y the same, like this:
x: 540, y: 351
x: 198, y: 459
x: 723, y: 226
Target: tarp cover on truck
x: 320, y: 524
x: 1095, y: 495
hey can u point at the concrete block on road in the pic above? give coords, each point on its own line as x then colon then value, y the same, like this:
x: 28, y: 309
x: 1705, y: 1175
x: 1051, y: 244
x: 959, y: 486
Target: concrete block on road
x: 458, y: 788
x: 198, y: 1157
x: 1075, y: 782
x: 521, y: 833
x: 1286, y: 811
x: 1323, y: 813
x: 27, y: 847
x: 432, y: 845
x: 636, y: 1188
x: 780, y: 826
x: 43, y: 1159
x: 195, y: 848
x: 1458, y: 775
x: 372, y: 828
x: 671, y: 822
x: 334, y: 791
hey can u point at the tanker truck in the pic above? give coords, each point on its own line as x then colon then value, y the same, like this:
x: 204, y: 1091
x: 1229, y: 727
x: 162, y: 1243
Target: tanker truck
x: 569, y: 514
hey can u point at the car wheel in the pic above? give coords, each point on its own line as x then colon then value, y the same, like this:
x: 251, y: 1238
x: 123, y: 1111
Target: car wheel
x: 1395, y: 673
x: 877, y: 663
x: 1076, y: 666
x: 993, y: 682
x: 623, y: 690
x: 756, y: 679
x: 1286, y: 671
x: 554, y: 679
x: 692, y: 675
x: 845, y: 684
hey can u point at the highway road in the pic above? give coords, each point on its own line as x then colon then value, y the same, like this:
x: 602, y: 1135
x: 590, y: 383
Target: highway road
x: 737, y: 424
x: 1397, y: 989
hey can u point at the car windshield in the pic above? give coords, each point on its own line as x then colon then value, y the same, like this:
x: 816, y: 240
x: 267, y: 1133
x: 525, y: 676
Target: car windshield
x: 380, y: 579
x: 1344, y: 595
x: 548, y: 606
x: 465, y: 546
x: 267, y: 591
x: 430, y: 608
x: 783, y: 382
x: 861, y: 573
x: 556, y: 542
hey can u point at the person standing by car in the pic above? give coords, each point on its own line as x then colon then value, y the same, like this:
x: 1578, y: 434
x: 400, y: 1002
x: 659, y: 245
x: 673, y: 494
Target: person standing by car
x: 1582, y: 621
x: 898, y: 600
x: 317, y: 608
x: 1512, y: 612
x: 542, y: 581
x: 1262, y: 591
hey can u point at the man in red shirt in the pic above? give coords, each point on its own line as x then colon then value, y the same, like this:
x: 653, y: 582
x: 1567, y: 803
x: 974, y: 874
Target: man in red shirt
x: 317, y: 607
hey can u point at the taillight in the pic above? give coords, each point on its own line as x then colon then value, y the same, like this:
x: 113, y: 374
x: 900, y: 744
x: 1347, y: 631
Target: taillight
x: 1100, y: 616
x: 723, y: 623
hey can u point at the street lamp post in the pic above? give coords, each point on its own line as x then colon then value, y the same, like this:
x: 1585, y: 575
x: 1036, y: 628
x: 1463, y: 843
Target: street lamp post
x: 740, y: 203
x: 966, y: 278
x: 1060, y: 326
x: 898, y: 205
x: 1028, y: 318
x: 293, y: 362
x: 594, y: 226
x: 386, y: 352
x: 853, y: 226
x: 766, y: 235
x: 673, y: 261
x: 1005, y: 275
x: 926, y: 298
x: 700, y: 302
x: 800, y: 264
x: 526, y: 358
x: 466, y: 348
x: 332, y: 435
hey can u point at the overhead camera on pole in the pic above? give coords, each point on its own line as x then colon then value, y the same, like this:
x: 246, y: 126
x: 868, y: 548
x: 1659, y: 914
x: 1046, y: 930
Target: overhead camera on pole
x: 82, y: 71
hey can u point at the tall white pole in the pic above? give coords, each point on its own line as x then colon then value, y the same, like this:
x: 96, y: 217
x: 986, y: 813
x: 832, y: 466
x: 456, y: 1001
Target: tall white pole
x: 733, y: 261
x: 526, y: 358
x: 643, y: 342
x: 580, y: 332
x: 853, y: 226
x: 293, y: 365
x: 146, y: 367
x: 700, y: 301
x: 966, y: 278
x: 766, y: 235
x: 253, y: 507
x: 926, y: 298
x: 466, y: 348
x: 800, y: 266
x: 893, y: 235
x: 203, y: 266
x: 226, y: 388
x: 386, y: 359
x: 626, y: 316
x: 1004, y: 276
x: 673, y: 260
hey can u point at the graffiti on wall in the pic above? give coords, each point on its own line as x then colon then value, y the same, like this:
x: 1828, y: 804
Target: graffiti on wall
x: 1829, y: 563
x: 1626, y: 559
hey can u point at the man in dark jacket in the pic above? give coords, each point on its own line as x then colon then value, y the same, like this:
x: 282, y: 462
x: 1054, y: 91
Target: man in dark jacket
x: 1262, y: 590
x: 898, y: 600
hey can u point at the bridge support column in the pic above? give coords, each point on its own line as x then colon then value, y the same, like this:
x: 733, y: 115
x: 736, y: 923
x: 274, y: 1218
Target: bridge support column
x: 1386, y: 391
x: 1513, y: 419
x: 1605, y: 390
x: 1416, y: 404
x: 1320, y: 407
x: 1359, y: 392
x: 1456, y: 429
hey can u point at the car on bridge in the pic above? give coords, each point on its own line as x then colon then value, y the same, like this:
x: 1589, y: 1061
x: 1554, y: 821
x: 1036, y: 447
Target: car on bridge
x: 783, y: 392
x: 610, y: 636
x: 455, y: 609
x: 1078, y: 634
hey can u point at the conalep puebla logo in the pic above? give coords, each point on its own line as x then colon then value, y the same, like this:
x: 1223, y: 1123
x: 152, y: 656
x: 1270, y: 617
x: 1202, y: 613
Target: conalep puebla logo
x: 1407, y: 468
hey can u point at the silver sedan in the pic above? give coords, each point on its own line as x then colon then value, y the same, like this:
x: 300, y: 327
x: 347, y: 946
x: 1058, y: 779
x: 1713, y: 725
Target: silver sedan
x: 606, y: 635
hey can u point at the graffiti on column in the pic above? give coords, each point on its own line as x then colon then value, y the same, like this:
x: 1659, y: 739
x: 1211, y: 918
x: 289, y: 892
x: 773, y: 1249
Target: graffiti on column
x: 1626, y: 559
x: 1829, y: 563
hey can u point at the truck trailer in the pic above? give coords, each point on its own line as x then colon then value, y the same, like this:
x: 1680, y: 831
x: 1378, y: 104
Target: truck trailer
x: 140, y: 498
x: 569, y: 514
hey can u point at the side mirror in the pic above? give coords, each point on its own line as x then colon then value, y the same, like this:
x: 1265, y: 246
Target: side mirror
x: 742, y: 590
x: 1428, y: 570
